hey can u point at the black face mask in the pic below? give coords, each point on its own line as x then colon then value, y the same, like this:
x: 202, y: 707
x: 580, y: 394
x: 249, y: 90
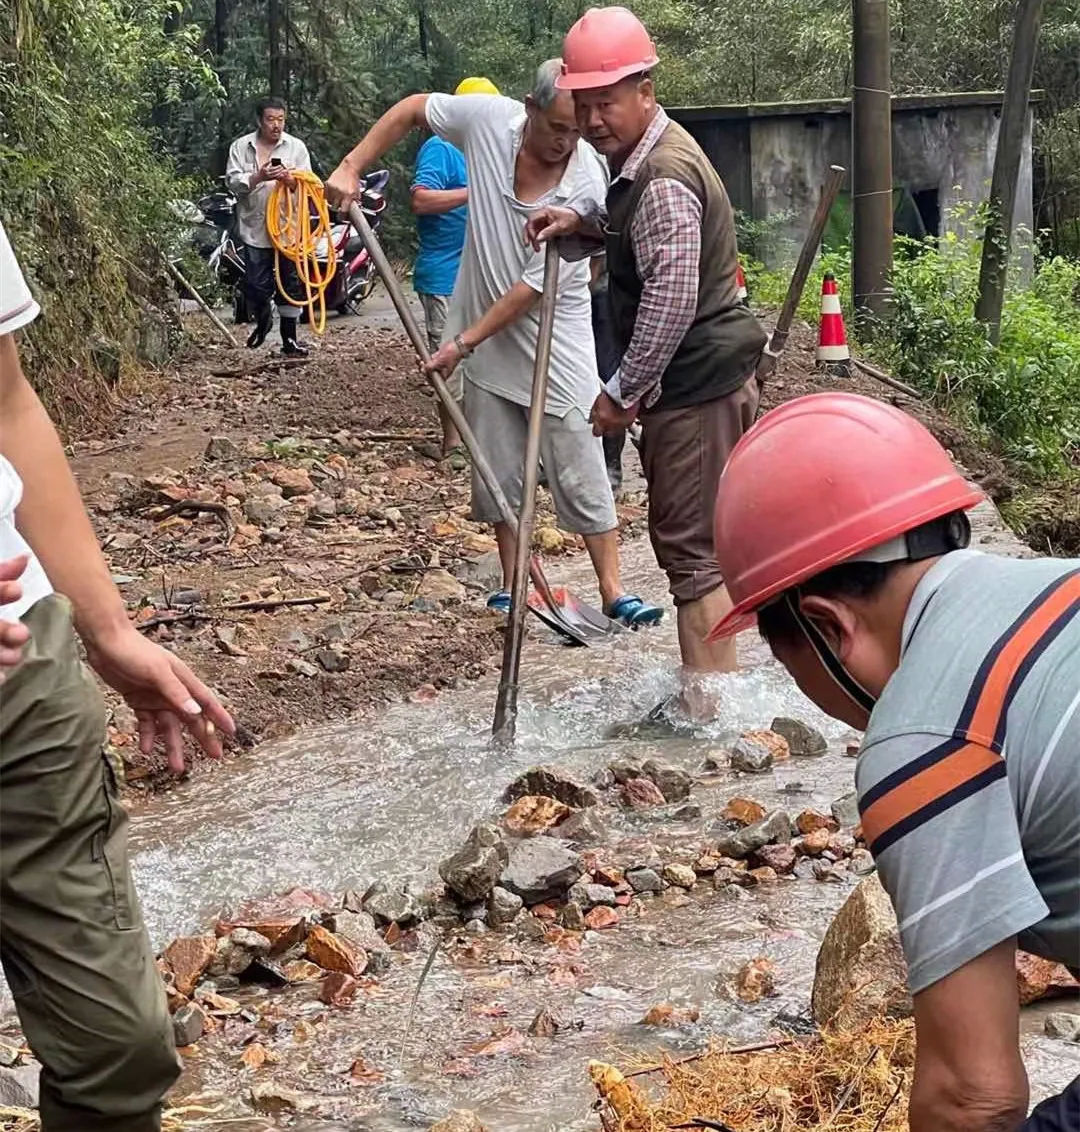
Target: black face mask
x: 950, y: 532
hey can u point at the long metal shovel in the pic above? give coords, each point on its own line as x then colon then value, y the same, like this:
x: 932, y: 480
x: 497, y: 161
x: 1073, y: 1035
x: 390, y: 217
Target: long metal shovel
x: 575, y: 620
x: 505, y: 723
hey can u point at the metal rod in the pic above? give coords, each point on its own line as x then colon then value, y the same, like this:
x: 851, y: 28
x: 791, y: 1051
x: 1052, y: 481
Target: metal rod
x: 204, y: 306
x: 505, y: 722
x: 871, y: 148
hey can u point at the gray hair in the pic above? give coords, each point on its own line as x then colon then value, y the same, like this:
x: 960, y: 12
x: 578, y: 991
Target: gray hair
x: 544, y: 90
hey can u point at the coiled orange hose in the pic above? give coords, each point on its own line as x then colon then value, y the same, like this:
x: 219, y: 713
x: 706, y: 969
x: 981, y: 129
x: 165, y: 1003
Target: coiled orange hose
x: 296, y: 236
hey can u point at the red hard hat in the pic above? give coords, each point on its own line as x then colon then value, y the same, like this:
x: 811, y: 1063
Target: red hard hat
x: 604, y: 47
x: 819, y: 481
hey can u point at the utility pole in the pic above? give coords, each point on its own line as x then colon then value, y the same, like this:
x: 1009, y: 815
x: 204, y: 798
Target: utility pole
x: 871, y: 147
x: 1010, y: 147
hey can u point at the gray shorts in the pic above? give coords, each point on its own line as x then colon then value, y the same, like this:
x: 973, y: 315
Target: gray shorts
x: 573, y: 462
x: 436, y: 308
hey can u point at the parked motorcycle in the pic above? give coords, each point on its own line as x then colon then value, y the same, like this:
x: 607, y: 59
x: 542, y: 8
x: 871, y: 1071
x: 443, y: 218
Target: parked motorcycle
x: 354, y: 279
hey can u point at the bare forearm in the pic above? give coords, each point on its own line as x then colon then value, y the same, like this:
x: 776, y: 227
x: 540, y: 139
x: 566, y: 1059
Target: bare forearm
x: 518, y: 301
x: 408, y: 114
x: 431, y: 202
x: 52, y: 517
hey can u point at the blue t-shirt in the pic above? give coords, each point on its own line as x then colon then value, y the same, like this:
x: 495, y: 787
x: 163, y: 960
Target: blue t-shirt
x: 439, y: 165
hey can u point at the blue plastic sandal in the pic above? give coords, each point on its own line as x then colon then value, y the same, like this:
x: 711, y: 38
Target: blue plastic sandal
x: 499, y: 602
x: 633, y: 612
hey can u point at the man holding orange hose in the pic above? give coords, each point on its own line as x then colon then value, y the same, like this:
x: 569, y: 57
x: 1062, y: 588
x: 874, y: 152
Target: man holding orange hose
x: 257, y: 163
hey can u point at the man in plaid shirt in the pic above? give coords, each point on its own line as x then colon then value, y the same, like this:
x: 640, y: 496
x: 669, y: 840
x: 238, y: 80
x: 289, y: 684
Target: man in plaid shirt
x: 689, y: 347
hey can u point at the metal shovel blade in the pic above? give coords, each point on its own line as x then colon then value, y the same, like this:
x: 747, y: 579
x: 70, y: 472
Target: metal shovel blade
x: 576, y: 621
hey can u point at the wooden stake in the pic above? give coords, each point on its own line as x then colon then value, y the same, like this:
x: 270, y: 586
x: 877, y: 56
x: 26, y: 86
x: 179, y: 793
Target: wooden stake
x: 204, y: 306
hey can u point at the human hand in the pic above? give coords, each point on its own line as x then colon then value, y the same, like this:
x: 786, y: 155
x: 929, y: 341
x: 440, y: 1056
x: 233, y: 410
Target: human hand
x: 445, y: 359
x: 343, y: 186
x: 164, y: 693
x: 608, y: 417
x: 549, y: 223
x: 13, y: 634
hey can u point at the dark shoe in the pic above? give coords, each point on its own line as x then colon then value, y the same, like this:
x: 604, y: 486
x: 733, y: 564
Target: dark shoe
x: 263, y: 322
x: 289, y: 345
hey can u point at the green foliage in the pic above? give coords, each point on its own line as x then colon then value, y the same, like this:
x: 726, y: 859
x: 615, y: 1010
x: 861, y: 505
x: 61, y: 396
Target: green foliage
x: 84, y: 193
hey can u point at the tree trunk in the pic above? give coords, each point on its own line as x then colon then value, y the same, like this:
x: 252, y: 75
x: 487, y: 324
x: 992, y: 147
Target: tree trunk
x: 422, y: 26
x: 1010, y: 148
x: 277, y: 61
x: 221, y: 41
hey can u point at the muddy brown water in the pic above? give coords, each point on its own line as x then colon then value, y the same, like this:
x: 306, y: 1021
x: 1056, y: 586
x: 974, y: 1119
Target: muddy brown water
x: 386, y: 797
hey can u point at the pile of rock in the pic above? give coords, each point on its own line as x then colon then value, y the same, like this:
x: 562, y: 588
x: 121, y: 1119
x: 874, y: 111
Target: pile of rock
x: 295, y: 938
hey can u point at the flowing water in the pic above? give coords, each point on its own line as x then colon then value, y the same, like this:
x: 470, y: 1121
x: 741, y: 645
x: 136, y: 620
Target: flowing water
x: 388, y: 795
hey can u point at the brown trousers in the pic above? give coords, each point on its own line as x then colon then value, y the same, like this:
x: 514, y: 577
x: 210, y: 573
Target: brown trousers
x: 72, y: 942
x: 683, y: 452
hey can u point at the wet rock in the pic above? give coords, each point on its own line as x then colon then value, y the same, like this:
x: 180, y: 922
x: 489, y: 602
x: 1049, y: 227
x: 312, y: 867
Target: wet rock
x: 503, y: 907
x: 846, y: 810
x: 763, y: 874
x: 9, y: 1054
x: 860, y: 970
x: 545, y: 1024
x: 756, y: 980
x: 19, y: 1086
x: 804, y: 869
x: 690, y: 812
x: 841, y: 845
x: 644, y: 880
x: 233, y: 957
x: 681, y: 876
x: 591, y: 895
x: 534, y: 814
x: 809, y: 821
x: 852, y: 749
x: 1063, y: 1026
x: 751, y: 756
x: 775, y: 828
x: 600, y: 918
x: 189, y: 1022
x: 673, y: 782
x: 358, y: 928
x: 293, y: 482
x: 707, y: 864
x: 552, y: 782
x: 583, y: 828
x: 814, y: 844
x: 780, y: 858
x: 803, y: 740
x: 302, y: 971
x: 829, y: 872
x: 460, y: 1120
x: 641, y: 794
x: 734, y: 892
x: 862, y: 862
x: 332, y: 660
x: 188, y: 958
x: 541, y: 869
x: 270, y: 1098
x: 572, y: 917
x: 622, y: 770
x: 392, y: 905
x: 530, y: 927
x: 743, y: 811
x: 665, y: 1014
x: 1041, y: 978
x: 476, y: 926
x: 223, y: 448
x: 471, y: 872
x: 334, y: 952
x: 338, y: 989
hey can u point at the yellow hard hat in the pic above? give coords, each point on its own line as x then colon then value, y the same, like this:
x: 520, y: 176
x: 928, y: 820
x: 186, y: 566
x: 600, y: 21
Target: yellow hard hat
x: 476, y: 85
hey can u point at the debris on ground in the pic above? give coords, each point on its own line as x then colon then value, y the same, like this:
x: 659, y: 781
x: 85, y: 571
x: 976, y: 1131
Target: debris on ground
x: 857, y: 1082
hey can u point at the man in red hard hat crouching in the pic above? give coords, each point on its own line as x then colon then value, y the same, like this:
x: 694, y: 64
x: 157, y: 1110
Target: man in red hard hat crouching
x: 688, y: 347
x: 841, y: 525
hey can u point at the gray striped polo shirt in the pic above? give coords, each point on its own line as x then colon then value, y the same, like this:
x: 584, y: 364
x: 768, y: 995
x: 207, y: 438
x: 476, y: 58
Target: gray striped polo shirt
x: 969, y: 774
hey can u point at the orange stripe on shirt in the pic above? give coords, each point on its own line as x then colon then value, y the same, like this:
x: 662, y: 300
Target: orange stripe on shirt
x: 926, y: 787
x: 991, y: 702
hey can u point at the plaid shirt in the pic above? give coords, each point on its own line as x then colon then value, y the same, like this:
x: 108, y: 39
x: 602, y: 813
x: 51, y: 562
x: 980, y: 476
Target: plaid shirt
x: 666, y: 237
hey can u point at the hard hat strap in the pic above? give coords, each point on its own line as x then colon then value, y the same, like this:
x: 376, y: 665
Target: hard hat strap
x: 829, y: 660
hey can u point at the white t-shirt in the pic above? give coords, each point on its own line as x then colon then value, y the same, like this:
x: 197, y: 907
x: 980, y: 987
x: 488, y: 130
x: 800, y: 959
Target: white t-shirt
x: 488, y: 129
x: 17, y: 308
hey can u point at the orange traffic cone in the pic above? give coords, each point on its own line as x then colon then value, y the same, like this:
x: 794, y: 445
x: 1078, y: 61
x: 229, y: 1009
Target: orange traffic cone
x: 740, y: 283
x: 832, y: 350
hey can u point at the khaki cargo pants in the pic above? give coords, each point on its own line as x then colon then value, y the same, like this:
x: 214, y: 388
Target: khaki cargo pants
x: 73, y: 945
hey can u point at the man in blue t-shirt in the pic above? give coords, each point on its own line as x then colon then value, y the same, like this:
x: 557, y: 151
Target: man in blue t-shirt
x: 439, y: 196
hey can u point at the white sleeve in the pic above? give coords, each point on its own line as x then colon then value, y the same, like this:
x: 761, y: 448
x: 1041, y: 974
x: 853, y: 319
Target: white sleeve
x: 17, y: 305
x: 454, y: 116
x: 589, y: 194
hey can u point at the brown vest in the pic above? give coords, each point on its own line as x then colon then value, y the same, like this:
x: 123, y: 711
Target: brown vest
x: 721, y: 348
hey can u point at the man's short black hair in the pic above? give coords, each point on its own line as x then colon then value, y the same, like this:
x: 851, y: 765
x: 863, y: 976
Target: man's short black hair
x: 271, y: 102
